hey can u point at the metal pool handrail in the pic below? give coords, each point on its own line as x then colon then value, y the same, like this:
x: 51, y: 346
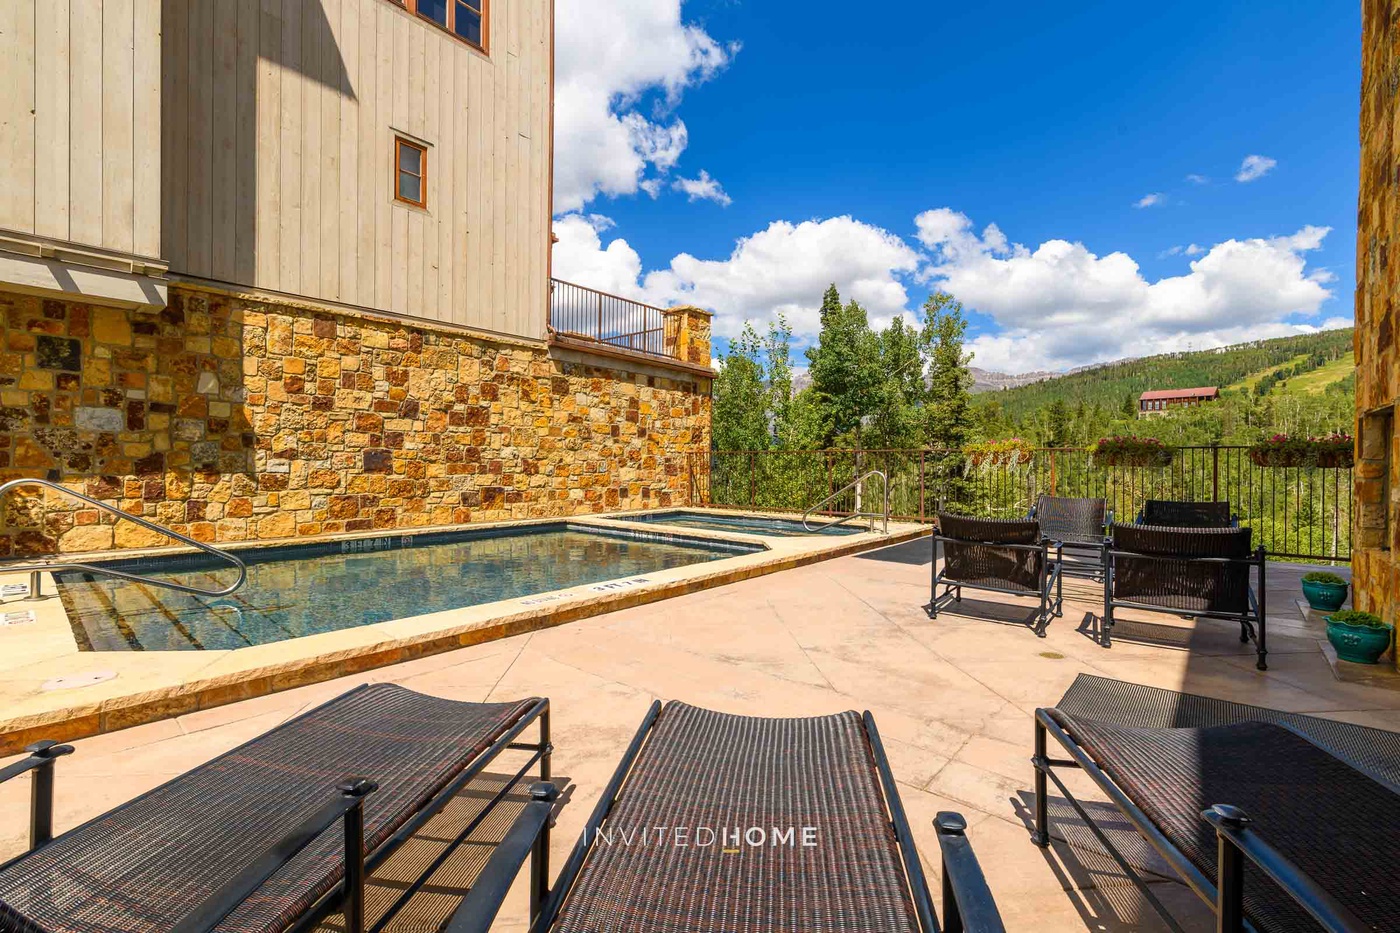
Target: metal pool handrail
x: 885, y: 514
x: 35, y: 568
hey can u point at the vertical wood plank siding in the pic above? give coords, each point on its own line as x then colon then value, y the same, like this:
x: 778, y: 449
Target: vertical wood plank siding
x: 279, y: 145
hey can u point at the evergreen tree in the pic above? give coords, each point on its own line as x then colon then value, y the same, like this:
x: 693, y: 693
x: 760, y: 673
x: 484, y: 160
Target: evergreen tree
x: 948, y: 420
x: 898, y: 403
x: 777, y: 347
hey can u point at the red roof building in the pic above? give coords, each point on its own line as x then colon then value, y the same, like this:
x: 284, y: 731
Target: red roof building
x: 1160, y: 401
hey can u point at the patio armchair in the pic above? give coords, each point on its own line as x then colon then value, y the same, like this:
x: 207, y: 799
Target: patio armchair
x: 1279, y: 821
x: 1009, y: 556
x: 274, y: 835
x: 1199, y: 572
x: 1174, y: 514
x: 715, y: 822
x: 1080, y: 526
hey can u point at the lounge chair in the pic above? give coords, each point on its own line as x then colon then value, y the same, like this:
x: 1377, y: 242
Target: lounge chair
x: 1000, y: 555
x: 714, y: 823
x: 1081, y: 526
x: 1187, y: 514
x: 248, y: 841
x: 1201, y: 572
x: 1279, y: 820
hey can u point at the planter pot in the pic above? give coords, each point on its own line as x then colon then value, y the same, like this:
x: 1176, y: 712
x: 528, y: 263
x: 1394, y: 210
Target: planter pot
x: 1325, y: 596
x: 1291, y: 459
x: 1361, y: 644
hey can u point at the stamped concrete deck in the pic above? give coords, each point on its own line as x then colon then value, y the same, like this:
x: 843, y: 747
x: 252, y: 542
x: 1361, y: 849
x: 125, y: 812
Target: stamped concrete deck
x: 953, y: 699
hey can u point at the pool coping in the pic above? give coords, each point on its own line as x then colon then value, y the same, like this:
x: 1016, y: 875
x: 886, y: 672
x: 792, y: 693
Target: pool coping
x: 149, y: 686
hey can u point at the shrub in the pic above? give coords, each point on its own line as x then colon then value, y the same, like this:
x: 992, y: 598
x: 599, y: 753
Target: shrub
x: 1356, y: 617
x: 1013, y: 452
x: 1131, y: 451
x: 1321, y: 576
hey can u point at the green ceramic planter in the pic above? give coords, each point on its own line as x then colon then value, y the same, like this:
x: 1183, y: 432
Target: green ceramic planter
x: 1361, y: 644
x: 1325, y: 596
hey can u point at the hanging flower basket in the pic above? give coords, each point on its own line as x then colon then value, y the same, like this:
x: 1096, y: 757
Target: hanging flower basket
x: 1131, y: 451
x: 1332, y: 452
x: 1008, y: 453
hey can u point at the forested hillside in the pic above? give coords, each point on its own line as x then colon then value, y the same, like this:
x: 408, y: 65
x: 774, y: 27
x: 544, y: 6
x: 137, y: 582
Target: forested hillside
x: 1293, y: 385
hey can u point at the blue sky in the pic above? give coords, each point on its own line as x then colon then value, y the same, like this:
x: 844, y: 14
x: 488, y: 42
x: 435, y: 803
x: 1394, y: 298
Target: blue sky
x: 777, y: 146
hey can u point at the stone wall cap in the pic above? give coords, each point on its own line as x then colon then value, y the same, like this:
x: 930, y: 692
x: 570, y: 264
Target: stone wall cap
x: 695, y: 308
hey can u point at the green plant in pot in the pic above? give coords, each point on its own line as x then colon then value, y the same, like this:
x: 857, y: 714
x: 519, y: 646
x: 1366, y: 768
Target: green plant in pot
x: 1359, y: 636
x: 1324, y: 591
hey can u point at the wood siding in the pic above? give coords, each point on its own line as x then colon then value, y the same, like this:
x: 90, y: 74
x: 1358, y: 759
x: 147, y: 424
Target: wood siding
x: 279, y: 130
x: 80, y: 114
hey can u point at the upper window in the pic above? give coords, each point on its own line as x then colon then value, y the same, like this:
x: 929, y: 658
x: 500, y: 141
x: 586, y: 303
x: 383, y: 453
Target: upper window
x: 465, y: 19
x: 410, y: 172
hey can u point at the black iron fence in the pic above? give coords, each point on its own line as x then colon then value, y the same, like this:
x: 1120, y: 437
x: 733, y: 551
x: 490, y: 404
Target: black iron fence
x: 588, y: 314
x: 1296, y: 512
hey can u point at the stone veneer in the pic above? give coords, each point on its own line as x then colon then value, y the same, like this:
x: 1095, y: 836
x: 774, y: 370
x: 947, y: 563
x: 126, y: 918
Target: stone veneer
x: 1376, y: 543
x: 232, y: 419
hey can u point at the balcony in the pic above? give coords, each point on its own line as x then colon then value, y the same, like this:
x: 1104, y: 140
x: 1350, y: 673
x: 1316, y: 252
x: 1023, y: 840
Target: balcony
x: 589, y: 319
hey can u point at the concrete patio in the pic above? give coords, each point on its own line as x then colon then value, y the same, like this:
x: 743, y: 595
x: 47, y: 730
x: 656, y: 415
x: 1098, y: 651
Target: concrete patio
x: 953, y: 699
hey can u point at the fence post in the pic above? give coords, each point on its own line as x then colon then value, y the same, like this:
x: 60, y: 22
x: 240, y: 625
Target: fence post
x: 921, y: 487
x: 1054, y: 478
x: 1215, y: 473
x: 600, y: 315
x: 753, y: 478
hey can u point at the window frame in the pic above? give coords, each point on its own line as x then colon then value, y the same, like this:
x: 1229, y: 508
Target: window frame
x: 484, y: 11
x: 399, y: 143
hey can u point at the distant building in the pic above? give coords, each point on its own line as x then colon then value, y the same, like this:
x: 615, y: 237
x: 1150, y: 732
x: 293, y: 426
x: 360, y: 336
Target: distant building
x: 1161, y: 401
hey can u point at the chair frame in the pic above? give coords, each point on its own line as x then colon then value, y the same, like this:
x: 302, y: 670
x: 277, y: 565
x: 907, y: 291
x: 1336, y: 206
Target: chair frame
x: 967, y: 901
x: 1252, y: 621
x: 1081, y: 570
x: 1232, y: 522
x: 1051, y: 574
x: 1236, y: 841
x: 345, y: 806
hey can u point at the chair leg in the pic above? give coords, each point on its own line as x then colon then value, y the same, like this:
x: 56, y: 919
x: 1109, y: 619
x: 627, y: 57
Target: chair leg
x: 1041, y: 834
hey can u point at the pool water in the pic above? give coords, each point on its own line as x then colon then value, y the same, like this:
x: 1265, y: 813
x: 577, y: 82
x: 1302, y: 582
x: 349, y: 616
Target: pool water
x: 745, y: 524
x: 307, y: 589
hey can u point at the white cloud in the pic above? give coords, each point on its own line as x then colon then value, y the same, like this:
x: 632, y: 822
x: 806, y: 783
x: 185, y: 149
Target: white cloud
x: 1254, y: 167
x: 613, y: 58
x: 1191, y: 250
x: 1195, y: 179
x: 1150, y: 200
x: 703, y: 188
x: 785, y: 267
x: 1061, y: 305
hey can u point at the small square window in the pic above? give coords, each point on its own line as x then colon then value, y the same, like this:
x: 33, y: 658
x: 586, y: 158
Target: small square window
x: 410, y: 173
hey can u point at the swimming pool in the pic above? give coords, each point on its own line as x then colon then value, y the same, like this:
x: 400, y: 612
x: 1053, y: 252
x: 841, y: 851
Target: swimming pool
x: 298, y: 590
x: 745, y: 524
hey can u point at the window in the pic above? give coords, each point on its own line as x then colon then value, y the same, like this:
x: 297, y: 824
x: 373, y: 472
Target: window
x: 465, y: 19
x: 410, y: 172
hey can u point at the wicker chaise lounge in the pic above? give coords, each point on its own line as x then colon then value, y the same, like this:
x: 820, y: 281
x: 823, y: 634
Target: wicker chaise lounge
x: 1009, y: 556
x: 1081, y: 526
x: 1277, y: 820
x: 714, y: 823
x: 1202, y: 572
x: 271, y: 836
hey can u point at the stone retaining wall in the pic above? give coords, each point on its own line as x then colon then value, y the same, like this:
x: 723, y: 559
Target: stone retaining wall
x: 230, y: 419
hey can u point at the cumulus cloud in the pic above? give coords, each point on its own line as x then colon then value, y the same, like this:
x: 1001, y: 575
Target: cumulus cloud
x: 1150, y: 200
x: 1255, y: 167
x: 621, y: 68
x: 703, y: 188
x: 1060, y: 305
x: 1196, y: 179
x: 1189, y: 250
x: 785, y: 268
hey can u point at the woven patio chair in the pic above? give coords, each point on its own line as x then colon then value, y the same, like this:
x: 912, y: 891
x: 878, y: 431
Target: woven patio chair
x: 1175, y: 514
x: 1081, y: 526
x: 1200, y: 572
x: 999, y: 555
x: 1281, y: 821
x: 249, y: 841
x: 714, y: 823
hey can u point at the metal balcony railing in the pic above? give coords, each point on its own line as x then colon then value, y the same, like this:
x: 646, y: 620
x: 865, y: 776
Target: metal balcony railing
x: 588, y: 314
